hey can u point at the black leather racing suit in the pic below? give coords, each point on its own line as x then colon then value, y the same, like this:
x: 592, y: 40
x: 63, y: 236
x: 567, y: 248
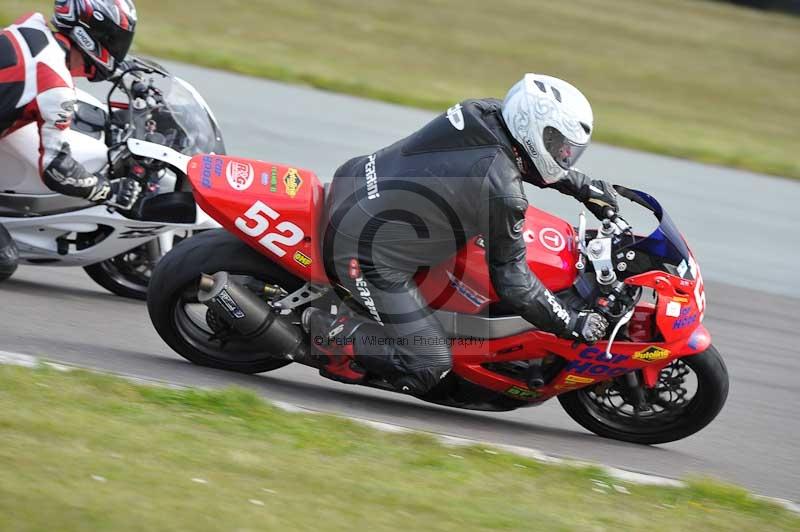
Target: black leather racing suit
x: 411, y: 205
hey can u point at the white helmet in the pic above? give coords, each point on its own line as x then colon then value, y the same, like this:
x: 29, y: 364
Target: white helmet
x: 552, y: 120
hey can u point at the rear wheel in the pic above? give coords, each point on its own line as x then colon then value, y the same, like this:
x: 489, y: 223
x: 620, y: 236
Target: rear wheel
x: 690, y: 393
x: 186, y: 325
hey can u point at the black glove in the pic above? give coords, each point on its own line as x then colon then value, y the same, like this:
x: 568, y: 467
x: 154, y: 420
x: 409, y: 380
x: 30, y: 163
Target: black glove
x: 125, y: 192
x: 587, y: 326
x: 599, y: 196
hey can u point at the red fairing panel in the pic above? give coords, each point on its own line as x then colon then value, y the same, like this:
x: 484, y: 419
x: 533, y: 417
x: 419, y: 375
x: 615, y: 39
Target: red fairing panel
x: 463, y: 284
x: 276, y: 209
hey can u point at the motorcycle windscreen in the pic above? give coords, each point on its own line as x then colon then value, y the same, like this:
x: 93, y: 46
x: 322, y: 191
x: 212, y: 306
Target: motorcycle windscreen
x: 182, y: 122
x: 665, y: 245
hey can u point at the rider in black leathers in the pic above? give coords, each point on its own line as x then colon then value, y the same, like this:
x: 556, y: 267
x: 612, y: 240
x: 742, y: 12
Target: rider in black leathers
x: 411, y: 205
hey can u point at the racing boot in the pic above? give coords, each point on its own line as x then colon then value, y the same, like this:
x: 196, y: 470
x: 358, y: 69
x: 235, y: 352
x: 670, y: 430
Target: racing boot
x: 332, y: 343
x: 9, y: 255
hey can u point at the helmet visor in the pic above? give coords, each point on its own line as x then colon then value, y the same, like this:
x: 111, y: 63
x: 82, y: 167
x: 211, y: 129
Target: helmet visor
x: 564, y: 151
x: 116, y: 40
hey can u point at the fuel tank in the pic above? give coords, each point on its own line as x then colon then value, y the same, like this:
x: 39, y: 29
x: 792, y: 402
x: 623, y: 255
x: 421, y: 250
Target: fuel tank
x: 463, y: 284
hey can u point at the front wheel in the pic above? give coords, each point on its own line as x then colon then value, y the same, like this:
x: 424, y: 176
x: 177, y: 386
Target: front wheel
x: 690, y: 393
x: 128, y: 274
x: 9, y: 255
x: 185, y: 324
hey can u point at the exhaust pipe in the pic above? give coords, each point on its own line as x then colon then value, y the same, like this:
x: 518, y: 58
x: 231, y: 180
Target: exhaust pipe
x: 251, y: 317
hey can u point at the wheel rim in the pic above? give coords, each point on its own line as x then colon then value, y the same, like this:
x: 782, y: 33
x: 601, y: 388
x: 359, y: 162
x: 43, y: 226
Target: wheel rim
x: 672, y: 399
x: 134, y: 268
x: 191, y: 322
x: 131, y: 269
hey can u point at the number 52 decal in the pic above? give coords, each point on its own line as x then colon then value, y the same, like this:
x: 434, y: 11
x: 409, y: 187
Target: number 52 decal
x: 256, y: 222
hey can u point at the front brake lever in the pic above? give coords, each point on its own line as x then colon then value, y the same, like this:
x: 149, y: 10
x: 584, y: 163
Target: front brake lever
x: 624, y: 320
x: 581, y: 263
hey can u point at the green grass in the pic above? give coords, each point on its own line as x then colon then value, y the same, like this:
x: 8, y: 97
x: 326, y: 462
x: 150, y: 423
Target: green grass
x: 82, y: 451
x: 703, y: 80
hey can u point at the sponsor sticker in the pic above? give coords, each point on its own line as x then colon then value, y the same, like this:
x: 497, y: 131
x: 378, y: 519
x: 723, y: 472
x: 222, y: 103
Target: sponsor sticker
x: 366, y: 298
x: 371, y: 176
x: 686, y: 319
x: 552, y: 239
x: 531, y: 148
x: 577, y: 379
x: 456, y: 117
x: 230, y: 305
x: 683, y: 268
x: 699, y: 339
x: 207, y: 168
x: 574, y: 381
x: 651, y: 354
x: 302, y: 259
x: 522, y: 393
x: 589, y: 365
x: 83, y: 38
x: 673, y: 309
x: 292, y: 182
x: 556, y: 306
x: 240, y: 175
x: 470, y: 294
x: 273, y: 180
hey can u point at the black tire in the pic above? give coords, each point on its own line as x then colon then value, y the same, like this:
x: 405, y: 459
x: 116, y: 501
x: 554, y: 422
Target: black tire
x: 108, y: 276
x: 9, y: 255
x: 178, y: 273
x: 708, y: 400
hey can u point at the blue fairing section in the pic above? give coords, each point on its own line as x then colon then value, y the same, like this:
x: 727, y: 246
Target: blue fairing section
x: 666, y: 241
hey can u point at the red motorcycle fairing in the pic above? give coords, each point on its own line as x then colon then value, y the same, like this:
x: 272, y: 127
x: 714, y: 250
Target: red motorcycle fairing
x: 463, y: 284
x: 585, y: 365
x: 276, y: 209
x: 677, y: 321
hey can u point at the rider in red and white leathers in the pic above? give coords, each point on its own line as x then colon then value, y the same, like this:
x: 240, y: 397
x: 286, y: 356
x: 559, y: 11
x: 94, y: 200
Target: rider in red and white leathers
x: 37, y: 67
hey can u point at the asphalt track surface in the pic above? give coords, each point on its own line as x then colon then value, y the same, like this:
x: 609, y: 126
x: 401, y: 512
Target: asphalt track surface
x: 739, y: 225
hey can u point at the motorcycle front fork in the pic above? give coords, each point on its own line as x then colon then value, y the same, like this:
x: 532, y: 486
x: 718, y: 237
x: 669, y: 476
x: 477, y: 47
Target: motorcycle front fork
x: 636, y: 390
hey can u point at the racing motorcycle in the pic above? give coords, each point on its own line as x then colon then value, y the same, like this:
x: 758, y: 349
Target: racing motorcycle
x: 116, y: 247
x: 232, y: 299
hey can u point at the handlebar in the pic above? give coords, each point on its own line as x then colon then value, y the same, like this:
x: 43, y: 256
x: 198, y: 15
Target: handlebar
x: 618, y: 221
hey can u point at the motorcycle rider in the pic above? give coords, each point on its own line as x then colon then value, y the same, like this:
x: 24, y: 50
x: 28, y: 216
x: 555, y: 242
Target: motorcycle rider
x: 412, y: 204
x: 37, y: 67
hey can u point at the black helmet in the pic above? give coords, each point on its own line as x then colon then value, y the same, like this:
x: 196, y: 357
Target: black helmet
x: 102, y: 30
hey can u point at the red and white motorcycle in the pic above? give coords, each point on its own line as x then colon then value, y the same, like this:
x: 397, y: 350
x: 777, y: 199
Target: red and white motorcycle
x: 232, y: 299
x: 118, y: 249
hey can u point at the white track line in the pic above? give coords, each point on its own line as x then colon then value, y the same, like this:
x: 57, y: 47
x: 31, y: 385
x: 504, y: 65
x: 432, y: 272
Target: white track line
x: 633, y: 477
